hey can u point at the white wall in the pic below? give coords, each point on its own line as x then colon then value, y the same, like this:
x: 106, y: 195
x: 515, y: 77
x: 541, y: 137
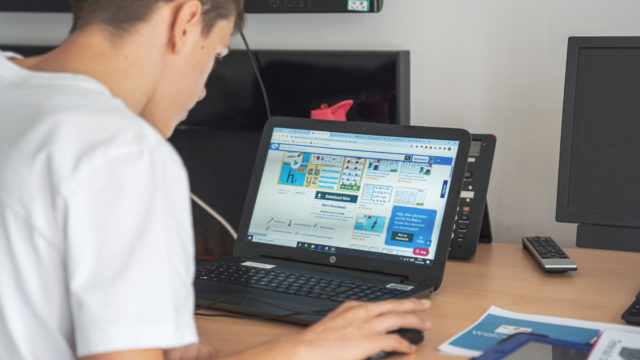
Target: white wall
x: 490, y: 66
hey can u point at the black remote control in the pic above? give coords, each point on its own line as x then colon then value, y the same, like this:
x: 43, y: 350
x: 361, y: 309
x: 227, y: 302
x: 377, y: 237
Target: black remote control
x: 632, y: 315
x: 548, y: 254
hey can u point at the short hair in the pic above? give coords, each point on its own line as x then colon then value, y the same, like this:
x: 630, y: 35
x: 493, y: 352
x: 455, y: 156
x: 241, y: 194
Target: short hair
x: 122, y: 15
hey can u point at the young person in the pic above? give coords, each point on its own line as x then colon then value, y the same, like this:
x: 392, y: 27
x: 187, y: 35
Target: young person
x: 96, y: 243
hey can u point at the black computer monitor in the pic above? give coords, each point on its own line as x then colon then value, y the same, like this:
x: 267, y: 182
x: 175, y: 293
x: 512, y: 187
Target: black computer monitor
x: 599, y: 175
x: 299, y: 81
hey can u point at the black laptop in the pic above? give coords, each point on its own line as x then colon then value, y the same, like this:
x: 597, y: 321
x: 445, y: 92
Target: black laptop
x: 339, y: 211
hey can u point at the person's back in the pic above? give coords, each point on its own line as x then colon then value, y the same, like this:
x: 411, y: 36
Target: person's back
x: 86, y: 221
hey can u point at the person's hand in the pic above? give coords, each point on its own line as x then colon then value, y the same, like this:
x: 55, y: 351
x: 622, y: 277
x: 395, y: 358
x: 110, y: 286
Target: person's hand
x: 353, y: 331
x: 358, y: 330
x: 198, y: 351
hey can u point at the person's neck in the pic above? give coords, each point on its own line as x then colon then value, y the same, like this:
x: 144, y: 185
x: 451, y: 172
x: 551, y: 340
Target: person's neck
x: 117, y: 63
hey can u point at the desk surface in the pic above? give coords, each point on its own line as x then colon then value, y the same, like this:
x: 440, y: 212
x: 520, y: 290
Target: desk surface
x: 500, y: 274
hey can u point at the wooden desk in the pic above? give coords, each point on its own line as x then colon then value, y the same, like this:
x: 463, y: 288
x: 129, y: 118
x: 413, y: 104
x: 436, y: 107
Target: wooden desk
x: 500, y: 274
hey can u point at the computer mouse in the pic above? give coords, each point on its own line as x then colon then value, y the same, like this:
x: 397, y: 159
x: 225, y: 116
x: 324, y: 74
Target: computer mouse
x: 413, y: 336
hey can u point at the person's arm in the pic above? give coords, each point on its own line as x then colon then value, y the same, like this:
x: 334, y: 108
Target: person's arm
x: 198, y: 351
x: 149, y: 354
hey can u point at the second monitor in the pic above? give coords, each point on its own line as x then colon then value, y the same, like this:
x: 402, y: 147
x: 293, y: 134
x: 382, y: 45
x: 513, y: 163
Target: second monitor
x: 599, y: 150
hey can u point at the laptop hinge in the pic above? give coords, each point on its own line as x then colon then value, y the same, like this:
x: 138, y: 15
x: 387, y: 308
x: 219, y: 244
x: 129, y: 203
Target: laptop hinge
x: 392, y: 278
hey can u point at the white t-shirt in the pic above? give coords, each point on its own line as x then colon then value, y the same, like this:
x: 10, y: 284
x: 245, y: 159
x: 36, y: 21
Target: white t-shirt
x: 96, y: 240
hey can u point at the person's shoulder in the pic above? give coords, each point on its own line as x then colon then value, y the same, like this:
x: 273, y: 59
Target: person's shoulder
x: 99, y: 119
x: 106, y: 138
x: 80, y: 124
x: 66, y: 102
x: 71, y: 103
x: 64, y: 128
x: 100, y: 122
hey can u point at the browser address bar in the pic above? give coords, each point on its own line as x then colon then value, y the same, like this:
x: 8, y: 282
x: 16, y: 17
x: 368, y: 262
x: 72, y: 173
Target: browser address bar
x: 355, y: 153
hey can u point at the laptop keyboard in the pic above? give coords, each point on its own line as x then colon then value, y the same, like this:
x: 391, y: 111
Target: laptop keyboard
x: 293, y: 283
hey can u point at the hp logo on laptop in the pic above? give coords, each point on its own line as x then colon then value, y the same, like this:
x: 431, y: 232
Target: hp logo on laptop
x: 332, y: 259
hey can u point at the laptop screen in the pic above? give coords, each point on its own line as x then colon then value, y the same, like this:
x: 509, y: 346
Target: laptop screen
x: 362, y: 195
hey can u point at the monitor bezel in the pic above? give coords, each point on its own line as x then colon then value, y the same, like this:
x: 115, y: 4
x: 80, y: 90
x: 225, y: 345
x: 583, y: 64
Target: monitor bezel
x: 416, y: 273
x: 563, y: 213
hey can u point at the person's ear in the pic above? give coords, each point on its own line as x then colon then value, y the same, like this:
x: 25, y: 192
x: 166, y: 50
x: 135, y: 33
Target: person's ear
x: 186, y: 22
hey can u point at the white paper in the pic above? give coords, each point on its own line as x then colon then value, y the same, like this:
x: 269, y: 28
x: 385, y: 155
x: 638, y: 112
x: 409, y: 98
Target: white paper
x: 496, y: 324
x: 616, y: 345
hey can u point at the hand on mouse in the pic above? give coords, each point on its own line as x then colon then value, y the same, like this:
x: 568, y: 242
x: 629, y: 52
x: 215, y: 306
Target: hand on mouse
x: 358, y: 330
x: 355, y: 330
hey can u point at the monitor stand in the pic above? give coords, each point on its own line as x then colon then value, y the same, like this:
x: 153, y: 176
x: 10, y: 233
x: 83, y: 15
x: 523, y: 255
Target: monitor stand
x: 608, y: 237
x: 485, y: 230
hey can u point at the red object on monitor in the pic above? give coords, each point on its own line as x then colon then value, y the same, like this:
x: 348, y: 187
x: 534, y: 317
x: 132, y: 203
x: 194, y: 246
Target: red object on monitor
x: 337, y: 112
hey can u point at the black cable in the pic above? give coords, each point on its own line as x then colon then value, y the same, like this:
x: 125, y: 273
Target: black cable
x: 257, y: 71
